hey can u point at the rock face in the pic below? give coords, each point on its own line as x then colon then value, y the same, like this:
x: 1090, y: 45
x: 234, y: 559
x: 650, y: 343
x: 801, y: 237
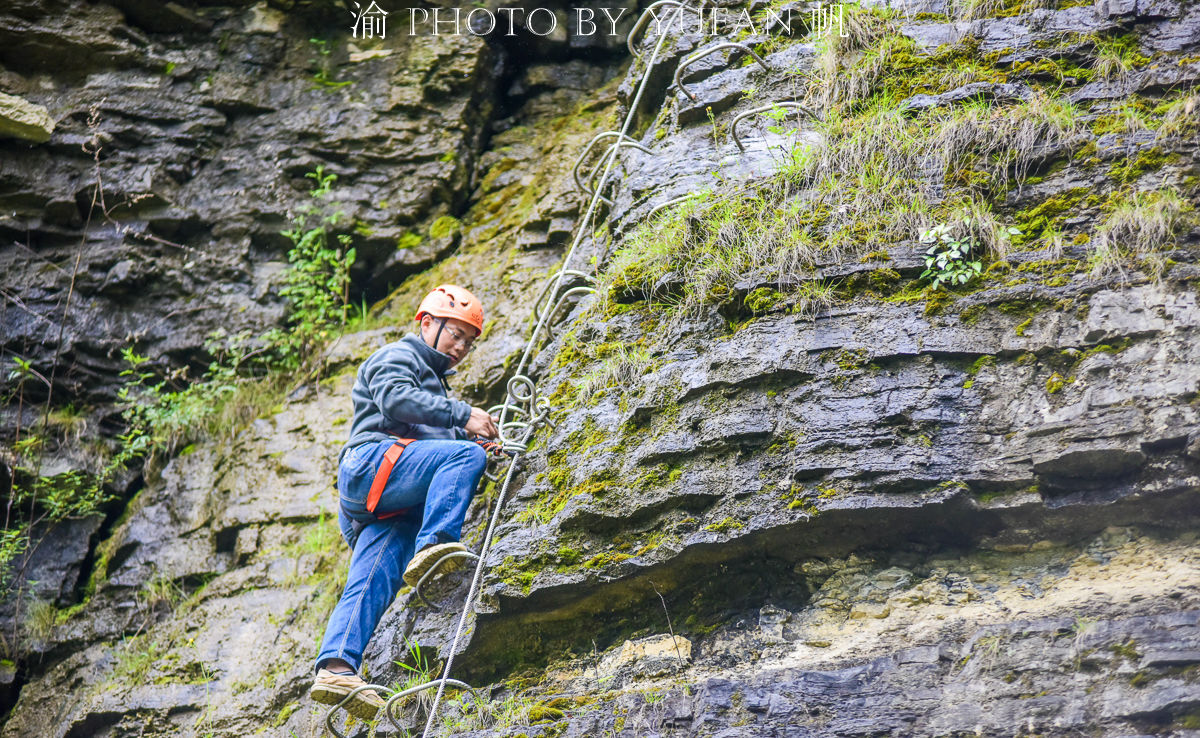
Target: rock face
x: 879, y: 516
x: 20, y: 119
x: 199, y: 126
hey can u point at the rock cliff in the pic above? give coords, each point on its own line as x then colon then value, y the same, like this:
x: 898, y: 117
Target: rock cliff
x: 787, y: 489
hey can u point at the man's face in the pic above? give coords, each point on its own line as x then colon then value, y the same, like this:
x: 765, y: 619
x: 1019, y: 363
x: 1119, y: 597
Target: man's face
x: 456, y: 339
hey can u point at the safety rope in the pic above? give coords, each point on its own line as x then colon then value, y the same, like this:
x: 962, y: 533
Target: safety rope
x: 521, y: 398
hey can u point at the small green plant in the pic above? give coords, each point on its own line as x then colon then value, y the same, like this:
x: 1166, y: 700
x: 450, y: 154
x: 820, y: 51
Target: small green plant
x: 322, y: 73
x: 948, y: 260
x: 417, y: 671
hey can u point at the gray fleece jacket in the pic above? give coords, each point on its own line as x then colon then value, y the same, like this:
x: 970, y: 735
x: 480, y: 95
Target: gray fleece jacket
x: 399, y: 390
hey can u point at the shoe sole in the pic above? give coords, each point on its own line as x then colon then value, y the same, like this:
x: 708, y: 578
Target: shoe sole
x: 421, y: 564
x: 357, y: 707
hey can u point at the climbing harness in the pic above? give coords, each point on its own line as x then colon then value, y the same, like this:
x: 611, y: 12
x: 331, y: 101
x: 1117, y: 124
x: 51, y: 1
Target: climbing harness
x: 523, y: 410
x: 381, y: 477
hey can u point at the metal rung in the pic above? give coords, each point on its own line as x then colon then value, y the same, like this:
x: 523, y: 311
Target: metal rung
x: 552, y: 281
x: 387, y: 708
x: 432, y: 569
x: 765, y: 108
x: 583, y: 155
x: 601, y: 162
x: 342, y: 704
x: 675, y: 201
x: 705, y: 52
x: 558, y: 304
x: 644, y: 18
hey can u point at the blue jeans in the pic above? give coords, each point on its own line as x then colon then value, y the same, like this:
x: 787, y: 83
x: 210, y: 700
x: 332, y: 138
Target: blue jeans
x: 435, y: 480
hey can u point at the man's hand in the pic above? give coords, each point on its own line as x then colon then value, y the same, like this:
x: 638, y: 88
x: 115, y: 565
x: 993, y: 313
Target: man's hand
x: 482, y: 424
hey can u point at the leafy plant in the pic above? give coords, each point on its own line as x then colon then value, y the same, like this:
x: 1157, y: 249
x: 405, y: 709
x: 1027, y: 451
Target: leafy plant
x: 318, y: 282
x: 323, y: 75
x: 948, y: 260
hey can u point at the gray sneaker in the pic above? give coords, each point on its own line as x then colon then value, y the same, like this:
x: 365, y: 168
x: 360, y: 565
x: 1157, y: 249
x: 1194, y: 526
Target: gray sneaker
x: 330, y: 689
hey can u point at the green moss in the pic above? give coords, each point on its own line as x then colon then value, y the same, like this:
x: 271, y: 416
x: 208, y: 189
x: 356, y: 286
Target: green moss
x: 883, y: 280
x: 1020, y: 329
x: 971, y: 315
x: 602, y: 560
x: 785, y: 442
x: 763, y: 300
x: 560, y: 476
x: 409, y: 240
x: 444, y: 226
x: 1131, y: 168
x: 579, y: 442
x: 1127, y: 650
x: 662, y: 475
x: 851, y: 359
x: 1130, y: 114
x: 1055, y: 383
x: 976, y: 366
x: 1047, y: 217
x: 1188, y: 721
x: 907, y: 71
x: 1051, y: 70
x: 724, y: 526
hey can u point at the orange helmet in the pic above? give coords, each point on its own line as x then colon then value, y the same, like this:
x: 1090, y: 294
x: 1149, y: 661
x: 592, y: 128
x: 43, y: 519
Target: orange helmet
x: 451, y: 301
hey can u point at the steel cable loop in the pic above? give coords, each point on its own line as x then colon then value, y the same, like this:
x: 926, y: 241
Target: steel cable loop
x: 517, y: 380
x: 353, y: 693
x: 697, y: 56
x: 763, y: 109
x: 437, y: 564
x: 388, y: 707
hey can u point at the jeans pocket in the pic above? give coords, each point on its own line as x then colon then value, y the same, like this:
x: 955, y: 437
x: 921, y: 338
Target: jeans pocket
x: 355, y: 473
x: 358, y: 455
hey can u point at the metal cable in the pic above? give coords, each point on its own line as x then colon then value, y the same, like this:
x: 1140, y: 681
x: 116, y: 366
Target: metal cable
x: 532, y: 394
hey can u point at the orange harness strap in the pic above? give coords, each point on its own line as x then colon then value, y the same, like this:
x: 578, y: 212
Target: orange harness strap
x: 381, y: 477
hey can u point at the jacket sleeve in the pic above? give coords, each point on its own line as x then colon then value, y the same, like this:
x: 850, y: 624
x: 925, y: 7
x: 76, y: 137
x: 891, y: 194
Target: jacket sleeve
x: 391, y: 379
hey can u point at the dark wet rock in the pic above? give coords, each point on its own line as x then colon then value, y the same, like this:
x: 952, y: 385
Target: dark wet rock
x: 205, y: 141
x: 974, y: 91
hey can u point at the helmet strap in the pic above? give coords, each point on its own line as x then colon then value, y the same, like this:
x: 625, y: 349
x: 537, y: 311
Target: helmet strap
x: 438, y: 337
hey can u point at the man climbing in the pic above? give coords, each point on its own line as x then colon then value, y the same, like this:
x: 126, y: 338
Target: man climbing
x: 405, y: 480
